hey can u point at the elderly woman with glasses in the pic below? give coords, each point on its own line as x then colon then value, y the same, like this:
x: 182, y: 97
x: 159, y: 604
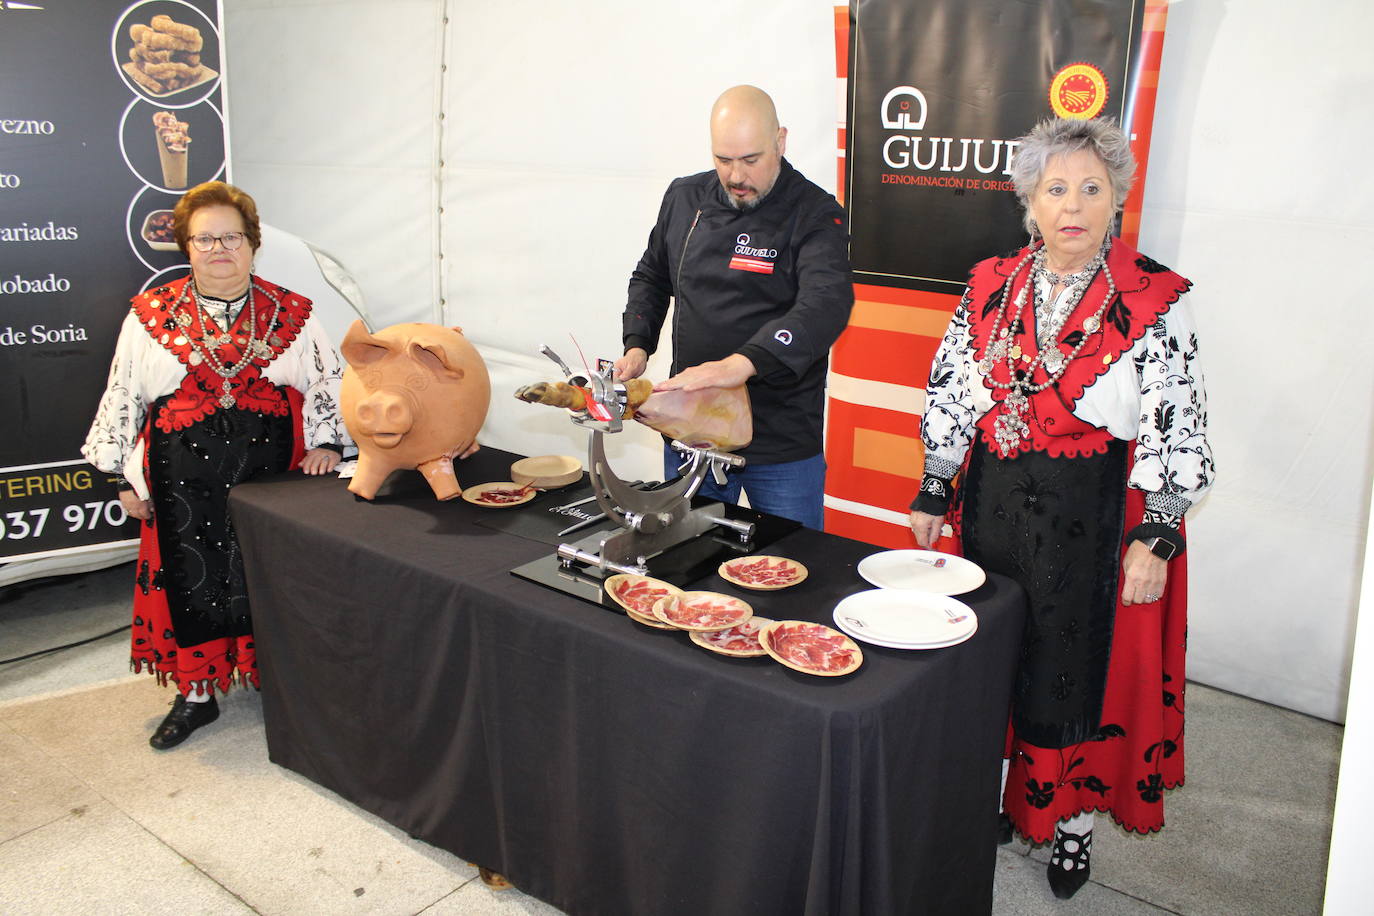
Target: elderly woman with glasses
x: 1067, y: 396
x: 217, y: 378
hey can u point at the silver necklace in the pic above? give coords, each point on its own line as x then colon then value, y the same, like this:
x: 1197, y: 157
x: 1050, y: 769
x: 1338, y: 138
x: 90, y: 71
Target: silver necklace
x: 204, y: 347
x: 1050, y: 315
x: 1010, y: 430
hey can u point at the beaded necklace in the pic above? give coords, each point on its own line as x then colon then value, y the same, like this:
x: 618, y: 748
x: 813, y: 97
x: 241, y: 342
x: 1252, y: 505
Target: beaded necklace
x: 1010, y: 429
x: 204, y: 350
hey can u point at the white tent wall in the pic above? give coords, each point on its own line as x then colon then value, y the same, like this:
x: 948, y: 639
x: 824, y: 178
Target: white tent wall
x: 1255, y: 193
x: 334, y: 129
x: 563, y: 123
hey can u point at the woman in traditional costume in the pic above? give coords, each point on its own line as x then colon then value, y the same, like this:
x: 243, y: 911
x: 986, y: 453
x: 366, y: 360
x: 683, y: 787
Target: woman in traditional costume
x: 1067, y: 394
x: 217, y: 378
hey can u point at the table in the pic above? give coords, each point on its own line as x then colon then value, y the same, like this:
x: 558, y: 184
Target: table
x: 602, y: 766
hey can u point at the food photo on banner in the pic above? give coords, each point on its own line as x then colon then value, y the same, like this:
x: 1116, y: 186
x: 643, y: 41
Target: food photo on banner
x: 109, y: 111
x: 936, y: 95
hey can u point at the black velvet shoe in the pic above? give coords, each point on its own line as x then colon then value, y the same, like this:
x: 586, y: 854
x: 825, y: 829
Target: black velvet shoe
x: 1004, y: 834
x: 1069, y: 867
x: 182, y: 720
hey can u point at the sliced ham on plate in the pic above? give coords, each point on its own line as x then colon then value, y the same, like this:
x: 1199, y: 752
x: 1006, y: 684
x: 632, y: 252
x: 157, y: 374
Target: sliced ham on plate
x: 762, y: 573
x: 637, y: 595
x: 501, y: 495
x: 702, y: 611
x: 811, y: 648
x: 741, y: 641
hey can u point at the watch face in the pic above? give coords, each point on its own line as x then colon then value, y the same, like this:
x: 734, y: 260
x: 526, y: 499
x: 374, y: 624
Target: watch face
x: 1163, y: 549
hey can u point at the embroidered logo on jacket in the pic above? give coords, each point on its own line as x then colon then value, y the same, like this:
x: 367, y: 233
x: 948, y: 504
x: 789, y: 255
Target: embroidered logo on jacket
x: 747, y: 257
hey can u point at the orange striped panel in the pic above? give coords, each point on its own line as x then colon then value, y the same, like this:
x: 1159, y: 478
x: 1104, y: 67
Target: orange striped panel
x: 852, y: 475
x: 897, y: 296
x: 883, y: 316
x: 842, y: 41
x: 883, y: 356
x: 841, y: 73
x: 1146, y: 92
x: 869, y: 530
x: 890, y: 453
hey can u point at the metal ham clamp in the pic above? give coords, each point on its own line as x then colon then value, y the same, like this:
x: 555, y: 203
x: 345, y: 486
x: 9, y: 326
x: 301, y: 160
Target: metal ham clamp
x: 651, y: 521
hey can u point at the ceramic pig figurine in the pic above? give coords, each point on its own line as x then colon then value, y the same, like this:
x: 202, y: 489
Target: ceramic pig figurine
x: 413, y: 396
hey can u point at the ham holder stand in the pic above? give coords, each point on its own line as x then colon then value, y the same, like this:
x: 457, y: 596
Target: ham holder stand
x: 661, y: 531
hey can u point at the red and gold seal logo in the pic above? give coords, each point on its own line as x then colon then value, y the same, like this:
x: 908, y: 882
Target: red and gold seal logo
x: 1078, y: 91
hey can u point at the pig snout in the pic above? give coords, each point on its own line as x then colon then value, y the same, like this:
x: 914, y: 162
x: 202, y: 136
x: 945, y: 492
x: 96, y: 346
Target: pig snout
x: 386, y: 415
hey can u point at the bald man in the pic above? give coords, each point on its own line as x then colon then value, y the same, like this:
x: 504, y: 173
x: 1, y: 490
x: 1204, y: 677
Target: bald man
x: 756, y: 259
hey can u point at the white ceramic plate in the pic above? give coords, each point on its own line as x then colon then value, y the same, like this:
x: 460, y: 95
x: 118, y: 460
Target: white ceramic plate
x: 922, y: 570
x: 902, y: 619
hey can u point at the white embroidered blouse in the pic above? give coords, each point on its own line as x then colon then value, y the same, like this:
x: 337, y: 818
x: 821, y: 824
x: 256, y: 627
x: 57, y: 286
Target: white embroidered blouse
x: 1154, y: 394
x: 143, y: 371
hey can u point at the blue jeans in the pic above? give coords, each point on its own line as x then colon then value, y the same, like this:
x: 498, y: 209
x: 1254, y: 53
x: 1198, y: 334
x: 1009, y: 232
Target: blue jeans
x: 792, y: 489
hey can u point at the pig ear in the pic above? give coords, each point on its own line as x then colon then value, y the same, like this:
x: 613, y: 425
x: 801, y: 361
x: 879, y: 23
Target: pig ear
x: 359, y: 348
x: 435, y: 359
x: 456, y: 328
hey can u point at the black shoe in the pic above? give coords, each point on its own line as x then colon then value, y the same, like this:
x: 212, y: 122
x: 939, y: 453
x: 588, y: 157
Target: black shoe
x: 182, y: 720
x: 1069, y: 867
x: 1004, y: 835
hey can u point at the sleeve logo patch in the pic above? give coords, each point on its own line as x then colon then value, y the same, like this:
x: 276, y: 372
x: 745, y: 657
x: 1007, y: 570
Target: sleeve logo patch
x: 783, y: 337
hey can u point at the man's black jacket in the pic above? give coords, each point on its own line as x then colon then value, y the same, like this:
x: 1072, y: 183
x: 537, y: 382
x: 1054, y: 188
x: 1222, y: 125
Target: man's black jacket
x: 771, y: 283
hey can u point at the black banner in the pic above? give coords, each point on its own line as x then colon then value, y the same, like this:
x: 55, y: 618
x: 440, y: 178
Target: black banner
x: 938, y: 92
x: 87, y: 183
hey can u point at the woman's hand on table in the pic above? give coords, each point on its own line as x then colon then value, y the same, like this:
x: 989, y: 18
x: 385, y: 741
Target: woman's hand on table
x: 927, y: 528
x: 1143, y: 575
x: 135, y: 507
x: 319, y: 461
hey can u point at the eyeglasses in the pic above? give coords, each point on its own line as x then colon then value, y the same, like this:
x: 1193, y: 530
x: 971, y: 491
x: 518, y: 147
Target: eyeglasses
x: 205, y: 241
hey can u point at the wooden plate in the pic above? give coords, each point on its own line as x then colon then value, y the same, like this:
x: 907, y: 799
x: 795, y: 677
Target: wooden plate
x: 547, y: 472
x: 716, y: 611
x: 781, y: 572
x: 749, y: 630
x: 478, y: 495
x: 616, y: 586
x: 832, y: 653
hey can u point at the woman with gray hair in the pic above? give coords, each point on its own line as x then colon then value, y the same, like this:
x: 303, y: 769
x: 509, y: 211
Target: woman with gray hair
x: 1066, y: 396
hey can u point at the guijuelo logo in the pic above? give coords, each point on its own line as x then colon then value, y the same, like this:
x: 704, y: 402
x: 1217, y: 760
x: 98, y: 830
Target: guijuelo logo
x: 900, y: 116
x: 1078, y: 91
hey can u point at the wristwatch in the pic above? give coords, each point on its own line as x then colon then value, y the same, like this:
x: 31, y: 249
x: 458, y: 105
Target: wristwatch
x: 1161, y: 548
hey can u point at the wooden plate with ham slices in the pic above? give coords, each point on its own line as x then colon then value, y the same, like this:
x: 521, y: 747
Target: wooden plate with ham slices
x: 702, y: 611
x: 811, y: 648
x: 762, y: 573
x: 504, y: 494
x: 638, y: 594
x: 739, y: 642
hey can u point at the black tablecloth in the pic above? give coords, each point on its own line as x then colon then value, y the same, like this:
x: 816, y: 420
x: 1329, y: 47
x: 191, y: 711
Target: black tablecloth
x: 605, y: 767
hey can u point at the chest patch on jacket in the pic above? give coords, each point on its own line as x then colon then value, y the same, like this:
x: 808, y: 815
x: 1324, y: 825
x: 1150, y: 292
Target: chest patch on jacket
x: 750, y: 257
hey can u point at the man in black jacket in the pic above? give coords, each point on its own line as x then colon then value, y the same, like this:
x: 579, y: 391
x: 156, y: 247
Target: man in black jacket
x: 757, y: 260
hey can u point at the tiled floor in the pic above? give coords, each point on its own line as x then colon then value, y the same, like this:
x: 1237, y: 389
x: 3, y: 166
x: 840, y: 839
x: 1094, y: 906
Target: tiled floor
x: 92, y: 821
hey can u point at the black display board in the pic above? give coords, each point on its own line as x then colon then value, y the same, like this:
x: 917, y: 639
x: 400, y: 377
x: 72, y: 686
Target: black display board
x: 939, y: 91
x: 81, y: 179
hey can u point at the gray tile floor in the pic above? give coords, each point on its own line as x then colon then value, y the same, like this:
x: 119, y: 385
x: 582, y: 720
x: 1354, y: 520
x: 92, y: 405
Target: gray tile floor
x: 1248, y: 833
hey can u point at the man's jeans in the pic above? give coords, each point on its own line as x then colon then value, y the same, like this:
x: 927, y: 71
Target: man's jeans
x: 792, y: 489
